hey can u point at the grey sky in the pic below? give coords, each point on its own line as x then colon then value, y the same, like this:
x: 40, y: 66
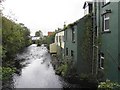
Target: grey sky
x: 44, y: 15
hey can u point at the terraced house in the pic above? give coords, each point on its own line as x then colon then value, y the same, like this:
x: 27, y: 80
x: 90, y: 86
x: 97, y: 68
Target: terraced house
x: 75, y: 39
x: 93, y: 41
x: 107, y: 30
x: 58, y: 46
x: 59, y: 40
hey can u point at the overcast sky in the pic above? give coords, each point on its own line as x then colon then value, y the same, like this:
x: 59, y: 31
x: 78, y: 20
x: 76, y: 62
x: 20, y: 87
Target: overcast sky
x: 44, y: 15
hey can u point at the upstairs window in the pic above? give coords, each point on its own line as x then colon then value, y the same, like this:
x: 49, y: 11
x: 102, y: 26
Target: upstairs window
x: 66, y: 35
x: 106, y: 22
x: 60, y: 39
x: 63, y: 39
x: 56, y: 38
x: 72, y: 53
x: 73, y: 34
x: 66, y: 51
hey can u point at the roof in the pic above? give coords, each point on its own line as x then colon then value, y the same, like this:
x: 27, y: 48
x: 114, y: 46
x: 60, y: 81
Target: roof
x: 59, y: 30
x: 76, y: 22
x: 50, y: 33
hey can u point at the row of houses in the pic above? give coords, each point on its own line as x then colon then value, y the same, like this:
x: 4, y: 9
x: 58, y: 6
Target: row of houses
x: 93, y: 41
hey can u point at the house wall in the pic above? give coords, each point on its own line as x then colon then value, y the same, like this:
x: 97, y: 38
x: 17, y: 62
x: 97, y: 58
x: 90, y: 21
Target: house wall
x: 110, y: 43
x: 71, y: 45
x: 60, y: 34
x: 82, y: 65
x: 59, y: 40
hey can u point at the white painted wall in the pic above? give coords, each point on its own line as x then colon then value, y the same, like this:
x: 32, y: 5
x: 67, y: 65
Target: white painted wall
x: 35, y: 38
x: 59, y: 37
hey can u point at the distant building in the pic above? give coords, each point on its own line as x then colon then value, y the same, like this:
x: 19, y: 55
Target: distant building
x: 58, y: 46
x: 35, y: 38
x: 74, y: 38
x: 50, y: 33
x: 59, y: 40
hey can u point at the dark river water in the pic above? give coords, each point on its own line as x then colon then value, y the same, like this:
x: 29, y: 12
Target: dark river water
x: 37, y: 71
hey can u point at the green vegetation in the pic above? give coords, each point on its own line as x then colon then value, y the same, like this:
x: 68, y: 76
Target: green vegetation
x: 62, y: 69
x: 39, y: 34
x: 87, y: 44
x: 47, y: 40
x: 6, y: 72
x: 50, y: 39
x: 108, y: 85
x: 14, y: 38
x: 66, y: 68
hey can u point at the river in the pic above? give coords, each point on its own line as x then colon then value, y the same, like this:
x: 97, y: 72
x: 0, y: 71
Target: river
x: 37, y: 71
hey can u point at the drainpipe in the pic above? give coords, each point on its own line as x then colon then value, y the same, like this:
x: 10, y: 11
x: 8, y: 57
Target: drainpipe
x: 98, y: 33
x: 96, y: 27
x: 94, y: 24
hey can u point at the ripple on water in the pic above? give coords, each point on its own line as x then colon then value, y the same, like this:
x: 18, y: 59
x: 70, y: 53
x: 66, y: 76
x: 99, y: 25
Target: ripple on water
x: 39, y: 73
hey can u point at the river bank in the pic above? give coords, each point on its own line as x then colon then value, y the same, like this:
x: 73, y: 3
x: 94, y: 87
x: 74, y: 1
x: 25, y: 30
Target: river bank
x: 70, y: 75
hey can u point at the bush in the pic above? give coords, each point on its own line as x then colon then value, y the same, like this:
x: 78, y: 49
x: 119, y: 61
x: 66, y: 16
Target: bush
x: 14, y: 37
x: 108, y: 85
x: 6, y: 72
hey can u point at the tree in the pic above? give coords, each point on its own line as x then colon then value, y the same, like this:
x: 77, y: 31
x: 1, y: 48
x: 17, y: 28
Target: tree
x: 14, y: 37
x: 39, y: 34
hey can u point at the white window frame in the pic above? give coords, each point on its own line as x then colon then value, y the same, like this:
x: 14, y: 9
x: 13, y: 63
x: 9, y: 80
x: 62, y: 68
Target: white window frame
x: 101, y: 58
x: 106, y: 18
x: 73, y: 32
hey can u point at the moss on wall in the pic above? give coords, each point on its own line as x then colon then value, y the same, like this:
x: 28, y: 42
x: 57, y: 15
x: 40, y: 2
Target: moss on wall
x: 87, y: 43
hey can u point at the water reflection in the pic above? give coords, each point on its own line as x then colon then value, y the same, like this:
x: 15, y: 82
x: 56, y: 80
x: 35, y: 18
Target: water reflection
x: 37, y: 71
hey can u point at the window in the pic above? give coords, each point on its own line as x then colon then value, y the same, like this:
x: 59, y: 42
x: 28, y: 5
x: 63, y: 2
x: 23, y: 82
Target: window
x: 73, y: 34
x: 62, y: 38
x: 56, y: 38
x: 72, y: 53
x: 101, y: 61
x: 66, y: 34
x: 59, y: 38
x: 67, y: 51
x: 106, y: 22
